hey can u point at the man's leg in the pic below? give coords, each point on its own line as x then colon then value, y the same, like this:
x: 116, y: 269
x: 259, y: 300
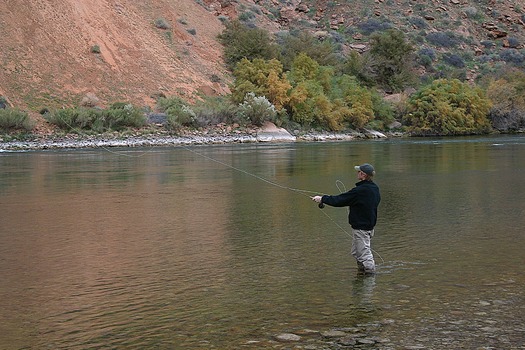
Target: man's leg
x: 361, y: 250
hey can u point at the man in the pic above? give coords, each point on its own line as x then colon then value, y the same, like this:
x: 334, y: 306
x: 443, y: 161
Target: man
x: 362, y: 201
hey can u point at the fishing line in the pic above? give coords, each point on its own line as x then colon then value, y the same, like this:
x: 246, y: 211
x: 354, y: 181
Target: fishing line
x: 339, y: 184
x: 342, y: 189
x: 297, y: 190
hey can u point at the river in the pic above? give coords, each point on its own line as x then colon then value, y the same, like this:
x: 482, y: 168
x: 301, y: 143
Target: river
x: 220, y: 247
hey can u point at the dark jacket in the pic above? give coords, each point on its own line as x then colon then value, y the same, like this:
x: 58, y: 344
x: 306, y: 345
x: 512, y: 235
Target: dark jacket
x: 363, y: 200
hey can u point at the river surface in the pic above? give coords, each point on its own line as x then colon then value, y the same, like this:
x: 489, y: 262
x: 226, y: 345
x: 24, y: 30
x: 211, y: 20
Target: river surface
x: 220, y: 247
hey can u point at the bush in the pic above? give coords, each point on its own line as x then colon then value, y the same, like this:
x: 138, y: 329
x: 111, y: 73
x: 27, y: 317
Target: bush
x: 418, y: 22
x: 161, y: 23
x: 292, y: 44
x: 441, y: 39
x: 360, y: 66
x: 471, y: 12
x: 513, y: 42
x: 15, y: 119
x: 513, y: 56
x: 426, y: 51
x: 448, y: 107
x: 425, y: 57
x: 454, y: 60
x: 98, y: 120
x: 372, y: 25
x: 508, y: 111
x: 320, y: 98
x: 178, y: 113
x: 95, y: 49
x: 246, y: 16
x: 240, y: 42
x: 487, y: 44
x: 257, y: 109
x: 394, y: 67
x: 215, y: 110
x: 383, y: 111
x: 263, y: 78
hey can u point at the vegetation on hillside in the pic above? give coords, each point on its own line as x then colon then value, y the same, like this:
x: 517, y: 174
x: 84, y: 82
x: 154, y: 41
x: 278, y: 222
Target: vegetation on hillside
x: 338, y: 77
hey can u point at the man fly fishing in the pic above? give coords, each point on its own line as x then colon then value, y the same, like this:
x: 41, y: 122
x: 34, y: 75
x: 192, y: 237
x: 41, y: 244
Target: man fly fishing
x: 362, y: 201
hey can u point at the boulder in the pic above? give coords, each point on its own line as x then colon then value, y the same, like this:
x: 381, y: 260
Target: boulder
x: 287, y: 337
x: 269, y: 132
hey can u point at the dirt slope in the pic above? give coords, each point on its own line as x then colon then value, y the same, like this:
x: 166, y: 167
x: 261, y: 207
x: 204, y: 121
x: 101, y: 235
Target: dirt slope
x: 47, y: 59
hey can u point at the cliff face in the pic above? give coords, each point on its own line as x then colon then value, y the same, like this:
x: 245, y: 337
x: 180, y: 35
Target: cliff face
x: 56, y: 51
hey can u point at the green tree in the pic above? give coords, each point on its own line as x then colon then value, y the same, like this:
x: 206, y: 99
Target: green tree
x: 241, y: 41
x: 393, y: 60
x: 362, y: 66
x: 292, y: 44
x: 448, y: 107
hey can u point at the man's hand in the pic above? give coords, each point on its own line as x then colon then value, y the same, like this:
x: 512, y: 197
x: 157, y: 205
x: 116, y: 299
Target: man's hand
x: 317, y: 199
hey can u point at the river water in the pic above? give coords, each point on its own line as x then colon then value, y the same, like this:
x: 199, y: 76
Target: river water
x: 220, y: 247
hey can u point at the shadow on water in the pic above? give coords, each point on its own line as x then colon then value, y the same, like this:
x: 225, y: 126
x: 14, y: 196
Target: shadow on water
x: 172, y: 250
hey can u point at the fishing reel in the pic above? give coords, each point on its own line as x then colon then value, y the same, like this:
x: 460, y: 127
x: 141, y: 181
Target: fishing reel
x: 321, y: 205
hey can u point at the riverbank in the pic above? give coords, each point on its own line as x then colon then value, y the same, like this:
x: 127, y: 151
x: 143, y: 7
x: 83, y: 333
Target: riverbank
x: 218, y: 135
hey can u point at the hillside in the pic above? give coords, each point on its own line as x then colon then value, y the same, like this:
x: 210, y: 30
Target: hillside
x: 49, y: 51
x: 55, y: 52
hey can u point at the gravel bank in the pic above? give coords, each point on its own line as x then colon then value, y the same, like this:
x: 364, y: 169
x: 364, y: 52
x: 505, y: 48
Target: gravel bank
x: 194, y: 138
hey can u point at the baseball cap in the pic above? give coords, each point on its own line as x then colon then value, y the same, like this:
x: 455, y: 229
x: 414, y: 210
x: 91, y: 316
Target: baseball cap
x: 365, y: 168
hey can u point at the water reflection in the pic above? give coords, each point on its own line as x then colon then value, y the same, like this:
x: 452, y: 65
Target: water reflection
x: 168, y: 248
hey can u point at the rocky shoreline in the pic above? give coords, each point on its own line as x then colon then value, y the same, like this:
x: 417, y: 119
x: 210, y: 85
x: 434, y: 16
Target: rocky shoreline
x: 267, y: 134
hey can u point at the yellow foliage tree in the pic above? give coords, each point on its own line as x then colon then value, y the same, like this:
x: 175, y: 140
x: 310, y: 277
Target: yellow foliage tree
x: 263, y: 78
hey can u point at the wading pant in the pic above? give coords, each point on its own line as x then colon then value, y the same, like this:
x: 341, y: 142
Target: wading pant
x: 361, y: 250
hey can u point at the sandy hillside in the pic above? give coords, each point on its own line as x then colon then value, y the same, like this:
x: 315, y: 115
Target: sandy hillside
x: 48, y: 60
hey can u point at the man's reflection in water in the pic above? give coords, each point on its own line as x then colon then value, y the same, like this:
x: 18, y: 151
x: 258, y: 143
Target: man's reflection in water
x: 362, y: 291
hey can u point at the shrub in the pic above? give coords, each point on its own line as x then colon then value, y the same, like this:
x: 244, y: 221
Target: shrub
x: 178, y: 113
x: 448, y: 107
x: 426, y: 51
x: 425, y: 57
x: 471, y: 12
x: 95, y: 49
x: 90, y: 100
x: 383, y: 111
x: 263, y: 78
x: 440, y: 39
x: 513, y: 42
x: 15, y: 119
x: 372, y: 25
x: 214, y: 110
x: 320, y: 98
x: 257, y: 109
x: 454, y: 60
x: 394, y: 67
x: 292, y: 44
x: 98, y: 120
x: 161, y: 23
x: 512, y: 56
x: 246, y: 16
x: 240, y: 42
x: 418, y: 22
x: 508, y: 111
x: 360, y: 66
x: 487, y: 44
